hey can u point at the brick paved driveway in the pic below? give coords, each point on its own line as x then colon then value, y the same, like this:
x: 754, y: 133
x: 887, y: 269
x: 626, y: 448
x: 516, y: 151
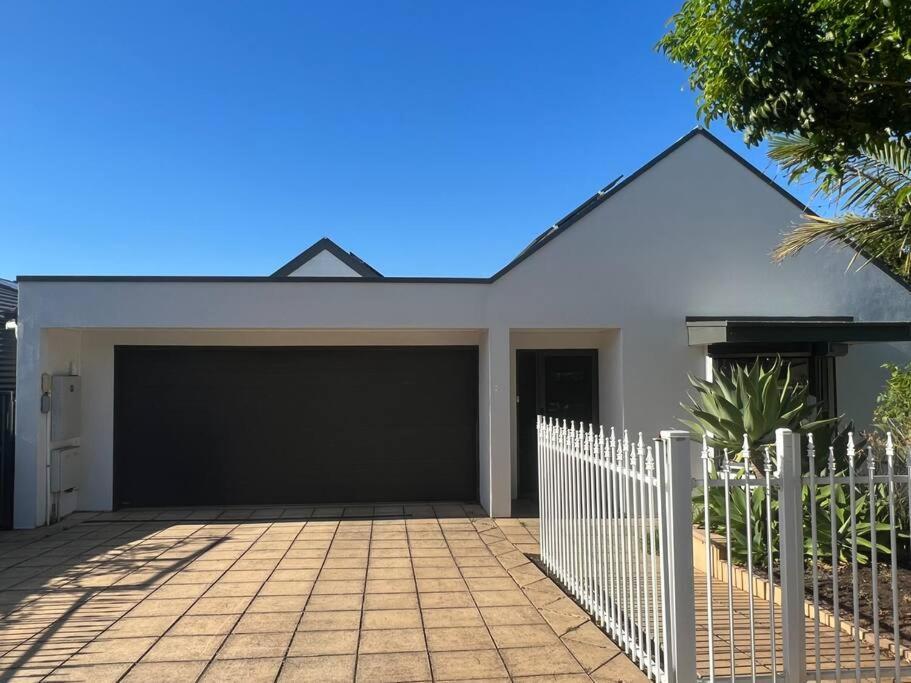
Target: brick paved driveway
x: 385, y: 593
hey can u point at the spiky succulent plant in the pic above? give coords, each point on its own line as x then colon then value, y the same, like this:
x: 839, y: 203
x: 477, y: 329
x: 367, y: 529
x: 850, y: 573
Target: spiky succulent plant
x: 753, y: 401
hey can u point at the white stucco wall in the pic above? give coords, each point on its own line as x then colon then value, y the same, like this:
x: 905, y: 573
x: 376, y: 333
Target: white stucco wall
x: 690, y: 236
x: 324, y: 264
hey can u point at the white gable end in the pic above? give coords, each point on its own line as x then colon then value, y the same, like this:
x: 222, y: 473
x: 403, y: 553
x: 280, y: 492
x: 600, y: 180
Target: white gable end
x: 324, y: 264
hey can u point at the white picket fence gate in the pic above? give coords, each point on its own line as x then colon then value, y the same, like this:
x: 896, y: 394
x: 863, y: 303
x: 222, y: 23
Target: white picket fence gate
x: 617, y: 533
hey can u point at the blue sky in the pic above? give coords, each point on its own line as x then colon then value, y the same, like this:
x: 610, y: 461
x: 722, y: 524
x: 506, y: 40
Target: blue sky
x: 429, y: 137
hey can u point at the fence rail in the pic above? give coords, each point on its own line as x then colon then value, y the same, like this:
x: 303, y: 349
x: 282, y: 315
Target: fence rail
x: 617, y: 517
x: 600, y: 498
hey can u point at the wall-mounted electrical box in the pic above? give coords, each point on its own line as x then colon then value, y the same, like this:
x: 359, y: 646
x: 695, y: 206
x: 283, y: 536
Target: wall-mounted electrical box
x: 64, y: 482
x: 64, y: 469
x: 66, y: 407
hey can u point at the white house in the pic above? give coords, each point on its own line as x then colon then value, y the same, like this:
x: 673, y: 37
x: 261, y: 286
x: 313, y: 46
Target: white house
x: 328, y: 382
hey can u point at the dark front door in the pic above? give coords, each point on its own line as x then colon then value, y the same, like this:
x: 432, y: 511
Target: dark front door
x: 246, y: 426
x: 558, y: 384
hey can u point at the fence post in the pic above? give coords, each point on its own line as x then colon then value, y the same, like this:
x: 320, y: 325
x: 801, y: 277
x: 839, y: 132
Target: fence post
x: 791, y: 558
x: 681, y: 655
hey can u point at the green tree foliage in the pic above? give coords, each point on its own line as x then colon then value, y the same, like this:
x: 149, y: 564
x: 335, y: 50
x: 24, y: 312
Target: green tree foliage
x: 834, y: 71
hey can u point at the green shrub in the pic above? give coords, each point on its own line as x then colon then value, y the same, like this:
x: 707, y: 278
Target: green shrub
x: 893, y: 406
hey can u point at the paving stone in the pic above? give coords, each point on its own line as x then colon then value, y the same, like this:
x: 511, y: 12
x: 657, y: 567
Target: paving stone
x: 483, y: 665
x: 320, y: 669
x: 400, y: 667
x: 392, y: 640
x: 267, y: 622
x: 307, y: 643
x: 261, y: 670
x: 165, y: 672
x: 459, y: 638
x: 391, y: 618
x: 525, y: 635
x: 249, y: 645
x: 209, y: 624
x: 334, y: 603
x: 439, y: 600
x: 330, y: 621
x: 451, y: 616
x: 379, y: 601
x: 540, y: 661
x: 184, y: 648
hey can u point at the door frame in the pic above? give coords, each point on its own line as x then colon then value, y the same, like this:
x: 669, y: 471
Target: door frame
x: 540, y: 391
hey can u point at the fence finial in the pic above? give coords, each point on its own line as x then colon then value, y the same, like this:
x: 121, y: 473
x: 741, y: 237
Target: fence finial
x: 767, y: 459
x: 871, y: 462
x: 850, y: 448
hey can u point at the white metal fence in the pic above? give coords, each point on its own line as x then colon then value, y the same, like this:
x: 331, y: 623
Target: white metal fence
x: 617, y: 520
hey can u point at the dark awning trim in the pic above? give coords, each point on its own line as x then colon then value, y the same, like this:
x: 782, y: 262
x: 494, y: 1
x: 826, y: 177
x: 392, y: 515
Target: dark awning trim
x: 703, y: 330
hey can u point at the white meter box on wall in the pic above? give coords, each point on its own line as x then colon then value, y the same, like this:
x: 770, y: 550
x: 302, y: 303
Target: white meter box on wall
x: 66, y: 407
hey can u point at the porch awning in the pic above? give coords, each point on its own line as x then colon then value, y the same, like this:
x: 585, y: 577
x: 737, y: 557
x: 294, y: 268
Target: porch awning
x: 703, y: 330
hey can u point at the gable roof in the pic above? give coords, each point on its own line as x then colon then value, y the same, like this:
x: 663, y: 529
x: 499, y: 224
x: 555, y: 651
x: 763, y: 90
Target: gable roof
x: 369, y: 274
x: 621, y: 182
x: 351, y: 260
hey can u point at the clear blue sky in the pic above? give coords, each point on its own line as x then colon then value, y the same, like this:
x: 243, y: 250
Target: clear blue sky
x: 429, y: 137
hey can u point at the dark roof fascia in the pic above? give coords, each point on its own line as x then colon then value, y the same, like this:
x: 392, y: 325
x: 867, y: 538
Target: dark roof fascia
x: 350, y: 259
x: 697, y: 320
x: 777, y: 331
x: 251, y: 279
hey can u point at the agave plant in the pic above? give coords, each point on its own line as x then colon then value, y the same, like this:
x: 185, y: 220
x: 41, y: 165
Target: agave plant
x: 745, y: 405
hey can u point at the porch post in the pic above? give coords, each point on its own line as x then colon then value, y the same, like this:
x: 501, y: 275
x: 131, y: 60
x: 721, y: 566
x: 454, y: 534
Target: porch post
x: 497, y: 364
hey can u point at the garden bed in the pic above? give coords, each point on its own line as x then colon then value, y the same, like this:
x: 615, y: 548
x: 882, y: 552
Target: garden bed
x: 865, y: 597
x: 761, y: 589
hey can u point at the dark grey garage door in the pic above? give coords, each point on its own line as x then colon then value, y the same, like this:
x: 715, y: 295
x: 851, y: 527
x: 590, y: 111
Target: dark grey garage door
x: 228, y: 425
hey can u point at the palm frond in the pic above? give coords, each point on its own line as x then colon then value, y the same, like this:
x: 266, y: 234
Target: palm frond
x: 876, y: 236
x: 879, y: 175
x: 876, y: 175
